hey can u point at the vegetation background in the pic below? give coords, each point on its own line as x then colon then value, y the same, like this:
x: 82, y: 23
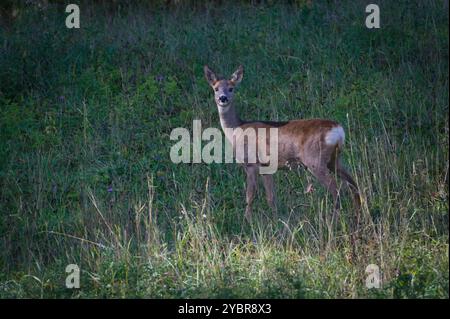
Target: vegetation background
x: 85, y: 173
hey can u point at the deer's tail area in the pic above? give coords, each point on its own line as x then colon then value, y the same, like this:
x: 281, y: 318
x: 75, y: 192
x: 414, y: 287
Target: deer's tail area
x: 335, y: 136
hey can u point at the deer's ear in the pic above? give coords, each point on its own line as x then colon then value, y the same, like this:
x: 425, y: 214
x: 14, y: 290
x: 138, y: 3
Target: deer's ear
x: 209, y: 75
x: 237, y: 76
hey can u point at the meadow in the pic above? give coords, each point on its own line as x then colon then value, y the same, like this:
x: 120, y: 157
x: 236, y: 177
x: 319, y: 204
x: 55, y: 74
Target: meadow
x: 86, y: 177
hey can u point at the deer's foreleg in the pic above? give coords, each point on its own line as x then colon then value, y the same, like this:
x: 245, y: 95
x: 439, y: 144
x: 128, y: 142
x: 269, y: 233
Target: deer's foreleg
x: 269, y: 186
x: 251, y: 188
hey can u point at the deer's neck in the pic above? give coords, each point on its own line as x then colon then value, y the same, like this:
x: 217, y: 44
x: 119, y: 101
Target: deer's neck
x: 229, y: 120
x: 229, y: 117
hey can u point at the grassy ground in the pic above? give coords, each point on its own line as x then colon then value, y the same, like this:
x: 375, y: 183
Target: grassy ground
x: 86, y: 178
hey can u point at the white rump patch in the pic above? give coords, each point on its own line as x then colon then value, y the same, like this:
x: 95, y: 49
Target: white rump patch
x: 335, y: 136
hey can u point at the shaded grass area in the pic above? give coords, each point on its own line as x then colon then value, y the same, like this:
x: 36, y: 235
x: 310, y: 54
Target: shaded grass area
x: 86, y: 178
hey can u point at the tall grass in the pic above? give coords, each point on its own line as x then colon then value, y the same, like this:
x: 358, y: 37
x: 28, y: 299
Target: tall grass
x: 86, y: 178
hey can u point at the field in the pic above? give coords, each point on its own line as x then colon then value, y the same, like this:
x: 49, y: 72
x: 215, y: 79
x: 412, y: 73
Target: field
x: 86, y: 177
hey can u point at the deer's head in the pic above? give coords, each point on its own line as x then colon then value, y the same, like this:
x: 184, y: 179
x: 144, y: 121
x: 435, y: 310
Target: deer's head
x: 223, y: 89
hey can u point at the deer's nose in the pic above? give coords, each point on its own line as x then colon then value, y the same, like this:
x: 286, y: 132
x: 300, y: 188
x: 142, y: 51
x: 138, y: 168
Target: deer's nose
x: 223, y: 99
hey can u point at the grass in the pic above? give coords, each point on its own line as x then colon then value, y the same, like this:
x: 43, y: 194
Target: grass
x: 86, y: 178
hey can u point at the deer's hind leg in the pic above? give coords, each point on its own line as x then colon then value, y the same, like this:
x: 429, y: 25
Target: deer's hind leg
x: 324, y: 177
x: 342, y: 173
x: 335, y: 166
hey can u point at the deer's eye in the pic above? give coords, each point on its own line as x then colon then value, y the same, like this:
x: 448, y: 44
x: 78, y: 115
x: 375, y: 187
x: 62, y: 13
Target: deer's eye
x: 216, y: 89
x: 230, y: 89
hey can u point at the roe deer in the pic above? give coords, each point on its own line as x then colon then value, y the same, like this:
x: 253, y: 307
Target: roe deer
x: 313, y: 143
